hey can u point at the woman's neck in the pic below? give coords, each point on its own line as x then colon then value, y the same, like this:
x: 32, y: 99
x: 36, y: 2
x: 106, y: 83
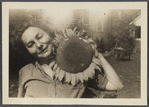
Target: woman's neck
x: 46, y: 61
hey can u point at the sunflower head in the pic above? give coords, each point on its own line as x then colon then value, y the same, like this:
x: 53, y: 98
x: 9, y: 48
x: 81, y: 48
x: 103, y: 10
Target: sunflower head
x: 74, y: 57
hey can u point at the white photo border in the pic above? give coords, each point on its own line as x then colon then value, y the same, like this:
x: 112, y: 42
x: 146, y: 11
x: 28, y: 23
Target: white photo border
x: 76, y: 5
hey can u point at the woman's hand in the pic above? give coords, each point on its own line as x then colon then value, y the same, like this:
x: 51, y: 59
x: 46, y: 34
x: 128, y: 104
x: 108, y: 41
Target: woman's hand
x: 97, y: 57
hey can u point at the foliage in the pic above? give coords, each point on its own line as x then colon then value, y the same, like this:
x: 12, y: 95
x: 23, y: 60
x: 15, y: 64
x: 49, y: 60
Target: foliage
x: 124, y: 46
x: 111, y: 41
x: 81, y: 26
x: 125, y: 41
x: 88, y: 33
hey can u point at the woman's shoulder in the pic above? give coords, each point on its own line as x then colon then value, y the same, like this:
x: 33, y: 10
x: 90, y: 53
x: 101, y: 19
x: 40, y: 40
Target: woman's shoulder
x: 27, y: 68
x: 26, y: 73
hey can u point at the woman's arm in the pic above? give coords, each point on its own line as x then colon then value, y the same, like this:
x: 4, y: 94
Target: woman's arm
x: 20, y: 87
x: 24, y: 74
x: 114, y: 82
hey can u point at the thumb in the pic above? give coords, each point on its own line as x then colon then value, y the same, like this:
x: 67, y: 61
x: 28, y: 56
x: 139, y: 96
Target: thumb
x: 97, y: 61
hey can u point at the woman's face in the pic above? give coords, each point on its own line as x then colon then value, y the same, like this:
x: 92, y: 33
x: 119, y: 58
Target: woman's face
x: 37, y: 42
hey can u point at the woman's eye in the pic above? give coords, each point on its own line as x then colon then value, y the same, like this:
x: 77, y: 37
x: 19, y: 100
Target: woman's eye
x: 30, y: 45
x: 40, y: 36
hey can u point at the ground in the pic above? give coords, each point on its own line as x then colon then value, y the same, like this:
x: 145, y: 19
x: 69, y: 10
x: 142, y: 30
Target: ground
x: 128, y: 71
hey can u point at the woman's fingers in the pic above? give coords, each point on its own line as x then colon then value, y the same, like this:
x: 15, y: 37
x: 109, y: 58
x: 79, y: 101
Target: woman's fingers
x: 100, y: 55
x: 97, y: 61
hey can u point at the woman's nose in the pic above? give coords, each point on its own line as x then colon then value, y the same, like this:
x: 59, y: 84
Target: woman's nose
x: 39, y: 45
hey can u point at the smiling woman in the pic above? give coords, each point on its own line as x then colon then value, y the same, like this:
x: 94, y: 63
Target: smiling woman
x: 27, y: 22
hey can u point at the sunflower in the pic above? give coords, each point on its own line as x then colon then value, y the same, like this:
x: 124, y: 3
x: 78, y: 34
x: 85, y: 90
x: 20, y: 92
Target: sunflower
x: 75, y: 57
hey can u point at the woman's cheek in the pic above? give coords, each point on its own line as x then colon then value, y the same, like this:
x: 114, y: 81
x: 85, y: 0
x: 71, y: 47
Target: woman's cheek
x: 32, y: 51
x: 49, y: 40
x: 46, y: 40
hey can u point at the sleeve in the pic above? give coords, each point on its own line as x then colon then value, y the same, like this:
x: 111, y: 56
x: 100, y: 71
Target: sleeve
x: 21, y: 91
x: 99, y: 82
x: 24, y: 75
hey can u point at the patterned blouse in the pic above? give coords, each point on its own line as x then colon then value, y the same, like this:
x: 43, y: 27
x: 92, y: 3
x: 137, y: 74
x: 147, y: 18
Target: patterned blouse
x: 35, y: 82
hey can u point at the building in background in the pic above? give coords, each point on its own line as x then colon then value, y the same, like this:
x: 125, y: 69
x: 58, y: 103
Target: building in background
x: 136, y: 27
x: 135, y: 30
x: 113, y: 22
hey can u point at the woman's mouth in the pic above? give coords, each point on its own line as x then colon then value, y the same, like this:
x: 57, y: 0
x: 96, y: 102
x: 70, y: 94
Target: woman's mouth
x: 43, y: 51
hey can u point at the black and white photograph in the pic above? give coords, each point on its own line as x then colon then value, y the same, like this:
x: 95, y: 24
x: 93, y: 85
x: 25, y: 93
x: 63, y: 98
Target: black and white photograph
x: 74, y: 53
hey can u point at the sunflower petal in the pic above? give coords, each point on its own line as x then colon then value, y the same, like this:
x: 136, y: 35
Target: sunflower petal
x: 85, y: 76
x: 61, y: 75
x: 65, y: 33
x: 55, y: 66
x: 58, y: 36
x: 81, y: 32
x: 80, y: 77
x: 56, y: 39
x: 73, y: 79
x: 92, y: 71
x: 78, y: 34
x: 88, y: 72
x: 77, y: 78
x: 74, y: 30
x: 68, y: 77
x: 70, y: 32
x: 52, y: 64
x: 57, y: 71
x: 91, y: 41
x: 84, y: 40
x: 55, y: 42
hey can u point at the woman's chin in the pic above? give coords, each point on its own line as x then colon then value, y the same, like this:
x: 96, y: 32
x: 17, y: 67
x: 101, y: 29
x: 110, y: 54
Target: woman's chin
x: 45, y: 55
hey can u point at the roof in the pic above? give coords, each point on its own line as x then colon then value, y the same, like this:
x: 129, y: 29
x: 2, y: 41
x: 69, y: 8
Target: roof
x: 136, y: 21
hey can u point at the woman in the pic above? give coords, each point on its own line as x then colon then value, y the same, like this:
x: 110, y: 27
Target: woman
x: 38, y: 79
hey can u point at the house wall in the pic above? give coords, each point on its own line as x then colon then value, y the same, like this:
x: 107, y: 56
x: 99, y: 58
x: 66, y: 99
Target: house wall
x: 108, y: 22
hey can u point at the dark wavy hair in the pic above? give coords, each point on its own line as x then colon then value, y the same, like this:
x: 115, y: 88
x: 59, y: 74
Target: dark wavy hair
x: 18, y: 54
